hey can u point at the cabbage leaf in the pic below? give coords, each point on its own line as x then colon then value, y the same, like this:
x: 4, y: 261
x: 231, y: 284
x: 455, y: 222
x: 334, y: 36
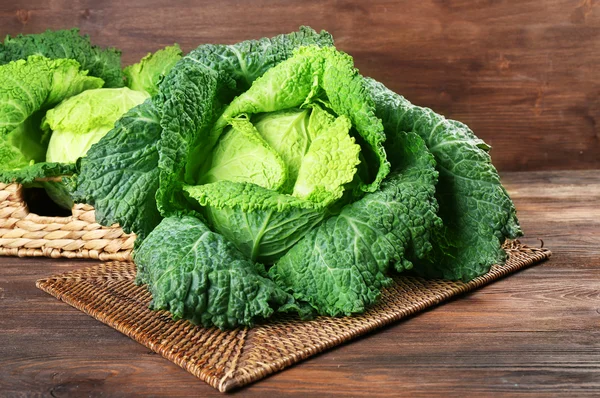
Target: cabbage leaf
x: 66, y: 44
x: 146, y: 74
x: 119, y: 174
x: 261, y: 223
x: 330, y: 161
x: 202, y: 277
x: 242, y: 155
x: 477, y: 212
x: 287, y: 132
x: 27, y: 89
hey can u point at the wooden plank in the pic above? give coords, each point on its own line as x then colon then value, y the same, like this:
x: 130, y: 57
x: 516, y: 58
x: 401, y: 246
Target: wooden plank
x: 534, y: 332
x: 522, y: 74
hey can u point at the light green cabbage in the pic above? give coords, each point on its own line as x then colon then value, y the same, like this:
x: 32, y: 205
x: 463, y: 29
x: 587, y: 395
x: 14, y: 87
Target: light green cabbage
x: 27, y: 89
x: 32, y: 86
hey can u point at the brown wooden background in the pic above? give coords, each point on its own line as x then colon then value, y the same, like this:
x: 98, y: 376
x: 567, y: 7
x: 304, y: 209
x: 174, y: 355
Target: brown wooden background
x: 524, y: 74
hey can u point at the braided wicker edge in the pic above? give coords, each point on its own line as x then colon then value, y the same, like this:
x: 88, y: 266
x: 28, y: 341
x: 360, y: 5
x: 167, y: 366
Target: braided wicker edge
x: 26, y: 234
x: 238, y: 372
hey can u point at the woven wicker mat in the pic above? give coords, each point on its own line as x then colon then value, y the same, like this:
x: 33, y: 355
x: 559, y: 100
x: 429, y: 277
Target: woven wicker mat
x: 230, y: 359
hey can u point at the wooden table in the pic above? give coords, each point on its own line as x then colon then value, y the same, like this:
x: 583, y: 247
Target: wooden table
x: 536, y: 331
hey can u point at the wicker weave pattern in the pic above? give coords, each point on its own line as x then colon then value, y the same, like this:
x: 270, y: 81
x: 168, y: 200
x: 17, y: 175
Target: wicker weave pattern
x: 231, y: 359
x: 26, y: 234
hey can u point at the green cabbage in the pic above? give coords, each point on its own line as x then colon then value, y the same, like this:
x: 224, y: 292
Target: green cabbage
x: 38, y: 141
x: 270, y: 176
x: 27, y: 89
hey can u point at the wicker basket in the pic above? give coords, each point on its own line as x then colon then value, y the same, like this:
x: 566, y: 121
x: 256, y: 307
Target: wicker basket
x: 26, y: 234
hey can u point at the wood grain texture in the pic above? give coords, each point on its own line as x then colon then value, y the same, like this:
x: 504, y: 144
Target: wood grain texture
x: 522, y: 73
x: 533, y: 332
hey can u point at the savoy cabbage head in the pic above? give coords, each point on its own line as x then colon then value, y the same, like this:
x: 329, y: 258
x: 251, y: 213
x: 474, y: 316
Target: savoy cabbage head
x: 59, y: 95
x: 28, y: 88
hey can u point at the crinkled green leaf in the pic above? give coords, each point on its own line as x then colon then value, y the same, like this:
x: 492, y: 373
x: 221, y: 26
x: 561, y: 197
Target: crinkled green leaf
x: 477, y: 212
x: 347, y: 95
x: 67, y: 44
x: 145, y: 75
x: 119, y: 174
x: 22, y: 146
x: 37, y: 171
x: 340, y: 266
x: 242, y: 155
x: 202, y: 277
x: 189, y: 103
x: 287, y: 85
x: 261, y: 223
x: 27, y: 86
x: 329, y: 163
x: 245, y: 61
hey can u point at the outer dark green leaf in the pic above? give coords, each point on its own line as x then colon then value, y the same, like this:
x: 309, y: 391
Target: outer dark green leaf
x: 340, y: 266
x: 37, y: 170
x: 119, y: 174
x: 477, y: 212
x: 198, y: 275
x: 245, y: 61
x: 103, y: 63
